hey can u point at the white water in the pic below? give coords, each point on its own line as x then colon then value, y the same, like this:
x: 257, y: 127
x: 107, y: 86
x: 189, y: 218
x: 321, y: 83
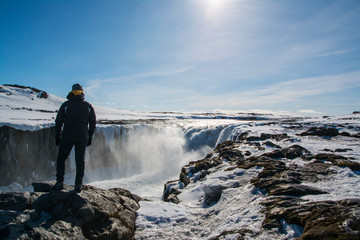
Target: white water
x: 143, y: 157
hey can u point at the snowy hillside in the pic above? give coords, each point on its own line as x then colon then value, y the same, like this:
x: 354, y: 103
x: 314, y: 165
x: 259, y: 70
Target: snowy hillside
x: 28, y: 108
x: 21, y: 105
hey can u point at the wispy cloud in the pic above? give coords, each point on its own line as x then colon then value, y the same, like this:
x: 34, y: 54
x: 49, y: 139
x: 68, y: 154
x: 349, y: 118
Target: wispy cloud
x: 135, y: 89
x: 339, y: 52
x: 273, y: 97
x: 94, y: 85
x: 280, y: 93
x: 295, y: 89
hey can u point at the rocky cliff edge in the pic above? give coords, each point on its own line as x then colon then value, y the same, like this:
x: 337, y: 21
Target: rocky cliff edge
x: 46, y: 214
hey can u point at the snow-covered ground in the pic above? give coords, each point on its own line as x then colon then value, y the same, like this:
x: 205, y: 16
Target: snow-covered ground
x: 187, y: 138
x: 239, y: 206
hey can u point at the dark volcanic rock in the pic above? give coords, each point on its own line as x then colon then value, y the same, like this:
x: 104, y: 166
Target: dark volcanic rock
x: 171, y: 192
x: 315, y: 171
x: 290, y: 152
x: 329, y: 156
x: 279, y: 179
x: 343, y: 149
x: 278, y: 137
x: 346, y: 134
x: 244, y: 232
x: 225, y: 151
x: 93, y: 214
x: 321, y: 132
x: 320, y: 220
x: 338, y: 160
x: 253, y: 138
x: 263, y: 136
x: 271, y: 144
x: 296, y: 190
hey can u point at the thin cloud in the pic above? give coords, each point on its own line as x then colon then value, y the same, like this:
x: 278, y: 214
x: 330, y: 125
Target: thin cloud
x: 339, y: 52
x: 131, y: 77
x: 279, y: 93
x: 296, y: 89
x: 274, y: 96
x: 95, y: 85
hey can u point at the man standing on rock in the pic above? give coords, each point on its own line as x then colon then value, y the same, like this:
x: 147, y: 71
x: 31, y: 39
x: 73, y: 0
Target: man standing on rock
x: 75, y: 126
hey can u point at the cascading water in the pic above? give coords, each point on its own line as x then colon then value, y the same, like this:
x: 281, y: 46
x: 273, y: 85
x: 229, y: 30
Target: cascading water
x: 139, y: 157
x: 142, y: 157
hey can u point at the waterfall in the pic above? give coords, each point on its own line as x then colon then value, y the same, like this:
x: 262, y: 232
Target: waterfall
x: 120, y: 151
x: 129, y: 156
x: 142, y: 157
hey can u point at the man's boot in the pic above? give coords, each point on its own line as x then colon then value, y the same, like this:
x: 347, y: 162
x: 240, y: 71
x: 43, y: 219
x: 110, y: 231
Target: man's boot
x: 58, y: 185
x: 77, y: 188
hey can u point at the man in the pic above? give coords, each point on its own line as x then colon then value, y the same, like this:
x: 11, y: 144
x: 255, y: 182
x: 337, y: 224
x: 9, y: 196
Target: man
x: 75, y: 126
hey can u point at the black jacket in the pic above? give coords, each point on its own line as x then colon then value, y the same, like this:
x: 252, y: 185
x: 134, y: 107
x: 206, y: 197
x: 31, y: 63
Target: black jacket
x: 78, y: 118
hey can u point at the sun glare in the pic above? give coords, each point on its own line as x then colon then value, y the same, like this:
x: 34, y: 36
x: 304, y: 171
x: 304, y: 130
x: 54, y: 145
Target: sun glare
x: 214, y: 2
x: 212, y: 5
x: 215, y: 10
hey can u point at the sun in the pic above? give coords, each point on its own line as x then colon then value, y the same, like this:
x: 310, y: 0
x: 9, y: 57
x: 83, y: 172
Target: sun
x: 214, y: 3
x: 214, y: 9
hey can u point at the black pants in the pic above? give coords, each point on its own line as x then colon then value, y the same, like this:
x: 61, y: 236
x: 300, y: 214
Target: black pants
x: 64, y: 151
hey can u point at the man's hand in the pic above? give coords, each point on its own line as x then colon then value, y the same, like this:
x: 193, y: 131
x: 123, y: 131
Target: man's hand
x: 89, y: 142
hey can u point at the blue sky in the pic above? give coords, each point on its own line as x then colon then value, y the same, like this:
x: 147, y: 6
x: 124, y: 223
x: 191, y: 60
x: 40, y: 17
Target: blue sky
x: 188, y: 55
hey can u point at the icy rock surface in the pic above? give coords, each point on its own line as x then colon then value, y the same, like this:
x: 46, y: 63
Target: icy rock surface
x: 299, y: 184
x: 92, y: 214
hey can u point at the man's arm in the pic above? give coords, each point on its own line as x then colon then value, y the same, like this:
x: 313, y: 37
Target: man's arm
x: 59, y: 121
x: 92, y: 123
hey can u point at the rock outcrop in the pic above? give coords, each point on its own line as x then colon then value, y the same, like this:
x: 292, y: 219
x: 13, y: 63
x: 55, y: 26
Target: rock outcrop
x: 40, y: 93
x: 326, y: 132
x: 320, y: 220
x: 45, y: 214
x: 321, y: 131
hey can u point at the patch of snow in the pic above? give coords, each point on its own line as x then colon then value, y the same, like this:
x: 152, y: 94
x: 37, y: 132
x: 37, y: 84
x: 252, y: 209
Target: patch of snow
x: 343, y: 185
x: 238, y: 208
x: 291, y: 231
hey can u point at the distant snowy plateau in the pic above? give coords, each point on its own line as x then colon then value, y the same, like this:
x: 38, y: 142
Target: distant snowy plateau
x: 220, y: 175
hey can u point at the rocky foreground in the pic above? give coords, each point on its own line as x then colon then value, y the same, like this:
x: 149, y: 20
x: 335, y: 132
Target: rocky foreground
x: 46, y: 214
x: 285, y: 175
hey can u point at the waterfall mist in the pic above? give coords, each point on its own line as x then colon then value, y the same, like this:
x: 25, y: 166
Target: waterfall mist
x: 142, y: 157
